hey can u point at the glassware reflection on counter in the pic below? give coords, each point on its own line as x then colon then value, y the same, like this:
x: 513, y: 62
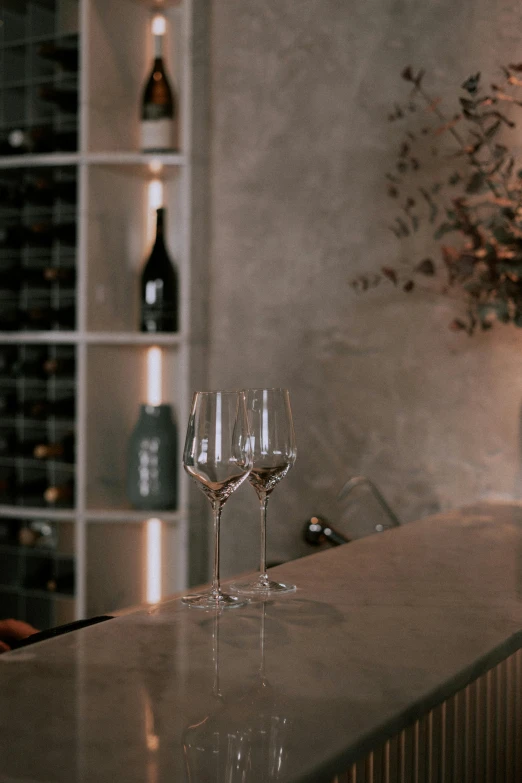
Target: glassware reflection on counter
x: 274, y: 453
x: 152, y: 462
x: 243, y: 740
x: 218, y: 456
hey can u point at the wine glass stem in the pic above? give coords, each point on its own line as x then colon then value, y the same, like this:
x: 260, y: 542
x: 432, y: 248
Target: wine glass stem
x: 263, y: 578
x: 216, y: 507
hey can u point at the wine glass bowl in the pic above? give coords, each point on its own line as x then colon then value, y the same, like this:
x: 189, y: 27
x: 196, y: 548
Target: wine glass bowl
x: 273, y: 454
x: 218, y: 456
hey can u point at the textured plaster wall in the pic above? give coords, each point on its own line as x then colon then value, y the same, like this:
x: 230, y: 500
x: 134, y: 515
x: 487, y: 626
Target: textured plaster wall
x: 300, y: 144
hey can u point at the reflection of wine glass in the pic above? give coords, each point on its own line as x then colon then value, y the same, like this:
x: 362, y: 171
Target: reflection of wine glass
x: 218, y: 456
x: 243, y: 740
x: 274, y: 453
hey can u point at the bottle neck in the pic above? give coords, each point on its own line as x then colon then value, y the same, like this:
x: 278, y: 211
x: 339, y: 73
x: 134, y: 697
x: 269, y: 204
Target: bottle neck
x: 159, y: 230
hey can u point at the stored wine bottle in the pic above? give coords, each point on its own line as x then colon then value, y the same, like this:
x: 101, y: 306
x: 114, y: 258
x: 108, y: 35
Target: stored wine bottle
x: 64, y: 56
x: 65, y: 100
x: 43, y: 366
x: 43, y: 409
x: 158, y: 108
x: 44, y: 192
x: 63, y: 450
x: 48, y: 318
x: 62, y: 583
x: 39, y: 234
x: 45, y: 276
x: 317, y: 531
x: 159, y: 287
x: 21, y: 141
x: 60, y: 494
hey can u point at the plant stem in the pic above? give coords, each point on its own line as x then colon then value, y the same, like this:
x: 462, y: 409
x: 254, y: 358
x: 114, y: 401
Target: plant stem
x: 456, y: 135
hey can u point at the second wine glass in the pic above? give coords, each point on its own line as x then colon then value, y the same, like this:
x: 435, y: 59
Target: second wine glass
x: 274, y: 453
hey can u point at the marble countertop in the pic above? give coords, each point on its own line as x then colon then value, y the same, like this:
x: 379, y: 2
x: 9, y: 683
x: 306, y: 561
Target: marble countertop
x: 379, y: 631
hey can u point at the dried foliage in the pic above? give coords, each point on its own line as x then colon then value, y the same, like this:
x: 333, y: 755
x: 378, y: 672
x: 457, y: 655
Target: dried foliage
x: 473, y: 202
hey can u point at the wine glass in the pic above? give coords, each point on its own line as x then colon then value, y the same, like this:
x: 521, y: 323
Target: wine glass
x: 218, y: 457
x: 274, y: 453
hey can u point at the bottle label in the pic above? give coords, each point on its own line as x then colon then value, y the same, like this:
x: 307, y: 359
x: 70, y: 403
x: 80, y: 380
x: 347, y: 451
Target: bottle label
x: 157, y: 134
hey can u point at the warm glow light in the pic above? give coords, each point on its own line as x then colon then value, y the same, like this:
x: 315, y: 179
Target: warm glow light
x: 159, y: 25
x: 155, y: 194
x: 153, y: 561
x: 155, y: 166
x: 154, y: 375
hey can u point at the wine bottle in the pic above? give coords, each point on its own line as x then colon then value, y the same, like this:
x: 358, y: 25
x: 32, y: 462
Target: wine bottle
x: 63, y: 450
x: 65, y: 100
x: 30, y: 366
x: 62, y: 583
x: 45, y: 276
x: 158, y: 107
x: 48, y: 318
x: 60, y: 494
x: 42, y: 409
x: 43, y: 367
x: 159, y: 287
x: 317, y: 531
x: 22, y: 141
x: 43, y: 192
x: 64, y: 56
x: 39, y: 234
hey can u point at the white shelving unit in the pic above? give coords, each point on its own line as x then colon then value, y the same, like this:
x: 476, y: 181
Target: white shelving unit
x: 109, y: 539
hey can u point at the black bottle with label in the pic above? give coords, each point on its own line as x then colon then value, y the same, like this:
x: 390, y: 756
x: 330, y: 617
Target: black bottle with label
x: 159, y: 287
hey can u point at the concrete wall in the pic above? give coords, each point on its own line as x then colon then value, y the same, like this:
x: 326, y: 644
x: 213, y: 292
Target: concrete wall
x: 300, y: 145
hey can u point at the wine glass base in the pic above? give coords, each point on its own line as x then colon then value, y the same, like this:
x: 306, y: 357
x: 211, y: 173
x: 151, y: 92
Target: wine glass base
x: 262, y: 589
x: 211, y: 602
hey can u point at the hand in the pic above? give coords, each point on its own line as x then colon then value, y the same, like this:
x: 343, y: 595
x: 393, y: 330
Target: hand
x: 12, y: 630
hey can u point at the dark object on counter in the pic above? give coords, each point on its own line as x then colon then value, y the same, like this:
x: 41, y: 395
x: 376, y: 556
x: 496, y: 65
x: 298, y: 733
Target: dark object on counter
x: 317, y: 531
x: 58, y: 631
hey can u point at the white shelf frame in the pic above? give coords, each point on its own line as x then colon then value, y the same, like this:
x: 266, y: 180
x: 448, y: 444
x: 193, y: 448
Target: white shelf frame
x: 174, y: 521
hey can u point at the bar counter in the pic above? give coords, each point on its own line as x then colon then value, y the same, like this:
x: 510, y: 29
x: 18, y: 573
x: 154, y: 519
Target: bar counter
x: 380, y: 632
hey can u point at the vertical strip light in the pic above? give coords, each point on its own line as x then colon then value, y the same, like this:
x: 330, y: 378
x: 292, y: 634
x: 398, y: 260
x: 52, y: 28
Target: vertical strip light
x: 154, y: 396
x: 154, y: 375
x: 153, y: 586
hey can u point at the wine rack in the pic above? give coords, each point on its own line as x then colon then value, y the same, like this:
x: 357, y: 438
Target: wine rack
x: 37, y: 571
x: 77, y: 200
